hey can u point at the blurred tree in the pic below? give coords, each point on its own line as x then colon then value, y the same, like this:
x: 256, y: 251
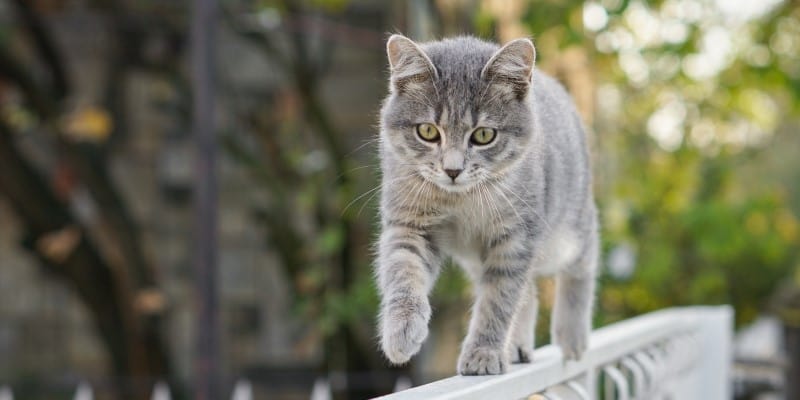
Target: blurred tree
x: 100, y: 255
x: 301, y: 160
x: 690, y: 93
x: 673, y: 123
x: 687, y: 95
x: 687, y: 102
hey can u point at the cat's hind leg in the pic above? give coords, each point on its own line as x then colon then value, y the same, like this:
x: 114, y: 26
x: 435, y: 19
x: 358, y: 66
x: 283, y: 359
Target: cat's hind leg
x: 521, y: 342
x: 572, y: 313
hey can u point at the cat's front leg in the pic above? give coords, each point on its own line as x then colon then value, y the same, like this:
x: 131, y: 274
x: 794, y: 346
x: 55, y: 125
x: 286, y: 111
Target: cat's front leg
x: 498, y: 290
x: 407, y: 267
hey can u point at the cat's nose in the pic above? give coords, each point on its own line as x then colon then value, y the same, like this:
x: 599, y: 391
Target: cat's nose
x: 453, y: 173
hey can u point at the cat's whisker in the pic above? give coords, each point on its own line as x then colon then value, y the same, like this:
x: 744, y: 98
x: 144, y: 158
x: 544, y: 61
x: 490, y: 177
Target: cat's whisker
x: 481, y: 198
x: 530, y: 207
x: 411, y: 195
x: 358, y: 198
x: 510, y: 204
x: 418, y: 204
x: 364, y: 204
x: 374, y: 190
x: 496, y: 208
x: 366, y: 143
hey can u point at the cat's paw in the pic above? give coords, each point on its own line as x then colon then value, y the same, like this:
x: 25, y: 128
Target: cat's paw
x: 520, y: 354
x: 573, y: 342
x: 482, y: 361
x: 404, y: 328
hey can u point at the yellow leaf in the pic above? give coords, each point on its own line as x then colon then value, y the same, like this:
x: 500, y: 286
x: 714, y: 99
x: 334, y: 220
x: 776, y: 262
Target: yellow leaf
x: 91, y: 124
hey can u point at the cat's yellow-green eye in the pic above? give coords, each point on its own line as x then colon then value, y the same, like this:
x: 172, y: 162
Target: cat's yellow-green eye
x: 483, y: 136
x: 428, y: 132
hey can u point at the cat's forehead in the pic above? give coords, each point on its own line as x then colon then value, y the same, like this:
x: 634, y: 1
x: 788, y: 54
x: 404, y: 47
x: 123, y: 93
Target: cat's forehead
x: 459, y: 59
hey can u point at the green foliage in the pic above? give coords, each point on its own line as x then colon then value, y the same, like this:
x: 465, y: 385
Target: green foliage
x: 697, y: 244
x: 675, y: 129
x: 673, y: 137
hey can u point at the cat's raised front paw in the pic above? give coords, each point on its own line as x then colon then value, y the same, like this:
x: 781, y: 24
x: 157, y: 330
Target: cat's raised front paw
x: 482, y: 361
x: 404, y: 328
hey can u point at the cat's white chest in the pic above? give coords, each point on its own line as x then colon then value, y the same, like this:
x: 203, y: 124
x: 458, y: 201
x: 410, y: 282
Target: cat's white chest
x: 463, y: 246
x: 464, y: 237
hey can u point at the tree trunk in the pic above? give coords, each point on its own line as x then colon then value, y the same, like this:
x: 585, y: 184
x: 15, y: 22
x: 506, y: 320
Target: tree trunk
x: 100, y: 287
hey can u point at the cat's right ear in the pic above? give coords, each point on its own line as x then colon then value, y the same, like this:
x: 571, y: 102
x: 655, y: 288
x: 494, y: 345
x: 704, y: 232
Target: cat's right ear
x: 411, y: 69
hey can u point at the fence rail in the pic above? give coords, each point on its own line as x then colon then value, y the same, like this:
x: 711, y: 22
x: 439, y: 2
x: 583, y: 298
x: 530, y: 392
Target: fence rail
x: 242, y: 390
x: 679, y: 353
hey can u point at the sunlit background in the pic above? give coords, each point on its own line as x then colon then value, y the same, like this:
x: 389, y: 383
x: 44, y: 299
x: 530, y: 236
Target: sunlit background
x: 691, y: 107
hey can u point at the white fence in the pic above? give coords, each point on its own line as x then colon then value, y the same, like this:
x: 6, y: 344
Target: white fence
x: 242, y: 390
x: 679, y: 353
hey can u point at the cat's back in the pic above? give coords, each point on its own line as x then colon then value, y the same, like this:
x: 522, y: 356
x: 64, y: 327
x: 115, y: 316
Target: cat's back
x: 555, y: 111
x: 563, y: 143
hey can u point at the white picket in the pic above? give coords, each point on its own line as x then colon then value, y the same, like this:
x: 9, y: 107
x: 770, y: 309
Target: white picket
x: 84, y: 392
x: 402, y: 383
x: 161, y: 392
x: 242, y: 390
x: 321, y: 390
x: 6, y: 393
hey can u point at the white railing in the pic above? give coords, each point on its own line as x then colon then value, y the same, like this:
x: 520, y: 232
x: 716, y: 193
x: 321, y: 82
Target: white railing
x: 242, y: 390
x: 679, y: 353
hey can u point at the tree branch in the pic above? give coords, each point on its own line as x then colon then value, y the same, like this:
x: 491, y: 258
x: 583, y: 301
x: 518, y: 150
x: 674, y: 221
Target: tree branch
x: 44, y: 46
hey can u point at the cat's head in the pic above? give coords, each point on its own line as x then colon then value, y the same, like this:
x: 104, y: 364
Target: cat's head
x: 458, y: 112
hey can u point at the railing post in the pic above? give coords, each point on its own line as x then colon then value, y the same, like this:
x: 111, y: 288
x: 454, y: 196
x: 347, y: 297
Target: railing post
x: 713, y: 377
x: 321, y: 390
x: 83, y: 392
x: 6, y: 393
x: 242, y: 390
x: 161, y: 392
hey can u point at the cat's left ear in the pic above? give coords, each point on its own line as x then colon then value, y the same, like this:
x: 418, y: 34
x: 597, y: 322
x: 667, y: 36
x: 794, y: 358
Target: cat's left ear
x: 511, y: 67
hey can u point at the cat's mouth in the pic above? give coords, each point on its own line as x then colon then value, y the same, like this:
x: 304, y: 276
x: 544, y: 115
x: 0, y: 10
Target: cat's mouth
x: 454, y: 186
x: 461, y: 185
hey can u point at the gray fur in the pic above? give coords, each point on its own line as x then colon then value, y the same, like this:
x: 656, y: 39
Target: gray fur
x: 521, y: 208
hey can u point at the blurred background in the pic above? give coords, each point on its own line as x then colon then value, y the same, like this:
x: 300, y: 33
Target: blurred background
x: 692, y: 108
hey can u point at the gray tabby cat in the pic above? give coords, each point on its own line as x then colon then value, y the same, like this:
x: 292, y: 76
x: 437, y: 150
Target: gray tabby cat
x: 484, y: 160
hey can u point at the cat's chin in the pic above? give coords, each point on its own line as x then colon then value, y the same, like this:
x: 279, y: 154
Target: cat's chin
x: 455, y: 187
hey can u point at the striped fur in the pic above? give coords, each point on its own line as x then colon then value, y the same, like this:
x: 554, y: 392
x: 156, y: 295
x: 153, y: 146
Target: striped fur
x: 521, y: 208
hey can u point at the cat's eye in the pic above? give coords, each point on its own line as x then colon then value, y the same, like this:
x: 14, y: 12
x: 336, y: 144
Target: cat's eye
x: 483, y: 136
x: 428, y: 132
